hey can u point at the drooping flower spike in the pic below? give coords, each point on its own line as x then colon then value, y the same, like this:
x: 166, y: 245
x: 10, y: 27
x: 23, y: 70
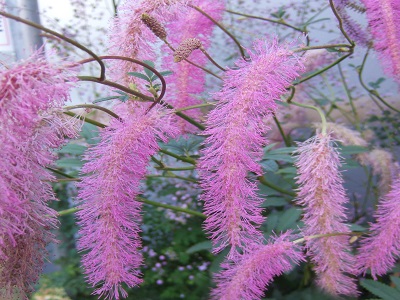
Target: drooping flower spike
x: 384, y: 21
x: 323, y: 197
x: 31, y: 95
x: 235, y: 130
x: 247, y: 278
x: 381, y: 249
x: 110, y: 216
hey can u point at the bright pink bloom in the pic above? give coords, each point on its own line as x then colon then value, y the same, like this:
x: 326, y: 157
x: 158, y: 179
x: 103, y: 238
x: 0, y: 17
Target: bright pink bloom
x: 384, y: 21
x: 247, y: 278
x: 110, y: 216
x: 323, y: 197
x: 188, y: 81
x: 29, y: 93
x: 236, y: 129
x: 381, y: 249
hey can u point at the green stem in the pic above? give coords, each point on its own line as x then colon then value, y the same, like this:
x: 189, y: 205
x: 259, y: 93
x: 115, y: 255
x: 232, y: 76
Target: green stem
x: 265, y: 182
x: 321, y: 113
x: 211, y: 59
x: 316, y: 236
x: 373, y: 93
x: 111, y: 113
x: 340, y: 23
x: 173, y: 176
x: 60, y: 173
x: 146, y: 201
x: 285, y: 138
x: 85, y: 119
x: 72, y: 42
x: 195, y: 106
x: 325, y: 47
x: 350, y: 97
x: 176, y: 169
x: 222, y: 28
x: 280, y: 22
x: 181, y: 158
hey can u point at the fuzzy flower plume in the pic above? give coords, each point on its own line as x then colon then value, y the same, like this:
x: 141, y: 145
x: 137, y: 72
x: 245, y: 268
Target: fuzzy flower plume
x: 384, y: 21
x: 236, y: 129
x: 188, y: 81
x: 110, y: 215
x: 31, y: 95
x: 323, y: 197
x: 130, y: 36
x: 381, y: 249
x: 247, y: 278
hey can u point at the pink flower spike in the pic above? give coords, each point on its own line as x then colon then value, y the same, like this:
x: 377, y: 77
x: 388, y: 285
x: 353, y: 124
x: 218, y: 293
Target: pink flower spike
x: 381, y: 249
x: 236, y: 130
x: 323, y: 197
x: 110, y: 216
x: 247, y: 277
x: 384, y: 21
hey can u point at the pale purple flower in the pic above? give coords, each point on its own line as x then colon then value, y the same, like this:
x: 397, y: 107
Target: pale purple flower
x: 235, y: 130
x: 247, y: 278
x: 384, y: 21
x: 379, y: 251
x: 323, y: 197
x: 188, y: 81
x: 110, y: 216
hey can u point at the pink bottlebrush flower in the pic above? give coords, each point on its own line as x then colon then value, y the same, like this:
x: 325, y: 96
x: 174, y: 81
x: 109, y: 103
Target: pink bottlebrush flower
x: 247, y: 277
x: 384, y: 21
x: 381, y: 249
x: 323, y: 197
x: 110, y: 215
x: 28, y: 92
x: 188, y: 81
x: 130, y: 37
x: 235, y: 130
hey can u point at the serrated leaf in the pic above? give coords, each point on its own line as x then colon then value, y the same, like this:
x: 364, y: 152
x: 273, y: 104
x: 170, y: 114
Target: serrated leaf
x: 288, y: 219
x: 69, y: 163
x: 206, y: 245
x: 139, y: 75
x: 270, y: 165
x: 72, y: 149
x: 380, y: 289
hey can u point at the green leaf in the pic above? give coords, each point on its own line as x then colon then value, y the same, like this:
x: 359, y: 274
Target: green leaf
x: 349, y: 150
x: 73, y: 149
x: 274, y: 201
x: 69, y: 163
x: 206, y: 245
x: 279, y: 157
x: 288, y: 219
x: 139, y: 75
x: 89, y: 133
x: 104, y: 99
x: 356, y: 227
x: 283, y: 150
x: 396, y: 281
x: 381, y: 290
x: 272, y: 221
x: 270, y: 165
x: 147, y: 71
x: 166, y: 73
x: 287, y: 170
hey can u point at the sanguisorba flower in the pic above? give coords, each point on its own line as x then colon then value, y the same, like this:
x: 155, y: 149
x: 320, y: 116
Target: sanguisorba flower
x: 235, y: 130
x: 380, y: 250
x: 384, y: 21
x: 323, y: 197
x: 29, y: 91
x: 247, y: 278
x: 110, y: 216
